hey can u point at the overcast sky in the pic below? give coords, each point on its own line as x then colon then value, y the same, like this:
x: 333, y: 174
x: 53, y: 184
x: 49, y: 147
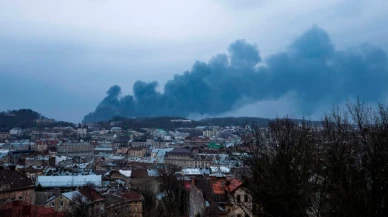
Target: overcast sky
x: 60, y: 57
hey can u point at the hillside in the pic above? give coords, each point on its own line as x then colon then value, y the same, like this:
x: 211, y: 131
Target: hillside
x: 26, y: 118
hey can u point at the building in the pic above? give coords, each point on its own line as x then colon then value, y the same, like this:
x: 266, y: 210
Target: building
x: 64, y: 201
x: 23, y: 209
x: 93, y: 201
x: 96, y: 200
x: 123, y: 175
x: 142, y: 142
x: 211, y: 196
x: 240, y: 199
x: 116, y: 206
x: 82, y: 132
x: 75, y: 149
x: 36, y: 161
x: 206, y: 199
x: 184, y: 158
x: 103, y: 150
x: 121, y: 141
x: 180, y: 157
x: 16, y: 131
x: 137, y: 152
x: 116, y: 130
x: 68, y: 181
x: 135, y: 203
x: 196, y: 141
x: 15, y: 186
x: 44, y: 121
x: 210, y: 132
x: 4, y: 135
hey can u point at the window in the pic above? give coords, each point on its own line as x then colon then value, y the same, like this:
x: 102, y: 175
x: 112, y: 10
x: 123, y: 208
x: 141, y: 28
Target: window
x: 52, y: 204
x: 246, y: 199
x: 61, y: 203
x: 238, y: 198
x: 20, y: 198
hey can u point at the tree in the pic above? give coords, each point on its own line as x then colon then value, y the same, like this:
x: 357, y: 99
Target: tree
x: 173, y: 196
x: 80, y: 207
x: 357, y: 160
x: 338, y: 168
x: 279, y: 171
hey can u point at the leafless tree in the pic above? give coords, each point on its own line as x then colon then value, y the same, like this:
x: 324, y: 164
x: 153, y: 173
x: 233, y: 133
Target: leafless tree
x: 336, y: 168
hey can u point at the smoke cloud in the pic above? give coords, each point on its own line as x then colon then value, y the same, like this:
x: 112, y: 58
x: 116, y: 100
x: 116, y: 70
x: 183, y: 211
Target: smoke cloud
x: 311, y: 69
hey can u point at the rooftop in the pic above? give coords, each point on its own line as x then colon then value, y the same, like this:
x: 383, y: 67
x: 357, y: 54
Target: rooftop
x: 133, y: 196
x: 13, y: 180
x: 68, y: 181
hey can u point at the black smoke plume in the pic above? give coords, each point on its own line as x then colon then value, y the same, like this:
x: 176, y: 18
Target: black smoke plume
x: 310, y: 67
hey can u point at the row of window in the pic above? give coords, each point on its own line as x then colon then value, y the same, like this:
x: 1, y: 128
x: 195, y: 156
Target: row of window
x: 246, y: 198
x: 53, y: 203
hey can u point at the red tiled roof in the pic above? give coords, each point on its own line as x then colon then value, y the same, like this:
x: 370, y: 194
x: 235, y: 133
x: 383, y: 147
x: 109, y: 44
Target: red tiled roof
x: 234, y: 184
x: 91, y: 194
x: 23, y: 209
x: 187, y: 185
x: 218, y: 188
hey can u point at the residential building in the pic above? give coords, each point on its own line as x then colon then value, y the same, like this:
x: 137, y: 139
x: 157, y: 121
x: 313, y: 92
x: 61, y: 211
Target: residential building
x: 16, y: 131
x: 196, y: 141
x: 137, y: 152
x: 23, y: 209
x: 135, y: 203
x: 184, y: 158
x: 211, y: 196
x: 240, y: 199
x: 36, y: 161
x: 141, y: 142
x: 64, y: 201
x: 67, y: 200
x: 75, y: 149
x: 121, y: 141
x: 116, y: 205
x: 179, y: 157
x: 97, y: 201
x: 210, y: 132
x: 15, y: 186
x: 4, y: 135
x: 206, y: 199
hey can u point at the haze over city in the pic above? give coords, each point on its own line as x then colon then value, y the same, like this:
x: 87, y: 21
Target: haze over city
x: 60, y: 58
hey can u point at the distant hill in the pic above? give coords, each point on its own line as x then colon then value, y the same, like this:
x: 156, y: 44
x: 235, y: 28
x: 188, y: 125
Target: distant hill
x: 26, y: 118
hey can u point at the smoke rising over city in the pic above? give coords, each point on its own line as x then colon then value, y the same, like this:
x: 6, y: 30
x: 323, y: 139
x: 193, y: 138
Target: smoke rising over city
x: 311, y: 69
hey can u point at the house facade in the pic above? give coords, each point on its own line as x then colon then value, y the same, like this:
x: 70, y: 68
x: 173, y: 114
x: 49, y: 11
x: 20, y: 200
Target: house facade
x: 137, y: 152
x: 75, y: 149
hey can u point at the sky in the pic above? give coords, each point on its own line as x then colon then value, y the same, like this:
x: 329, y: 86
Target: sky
x: 60, y: 57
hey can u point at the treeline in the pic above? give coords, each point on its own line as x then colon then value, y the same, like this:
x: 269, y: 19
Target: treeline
x: 339, y: 168
x: 25, y: 118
